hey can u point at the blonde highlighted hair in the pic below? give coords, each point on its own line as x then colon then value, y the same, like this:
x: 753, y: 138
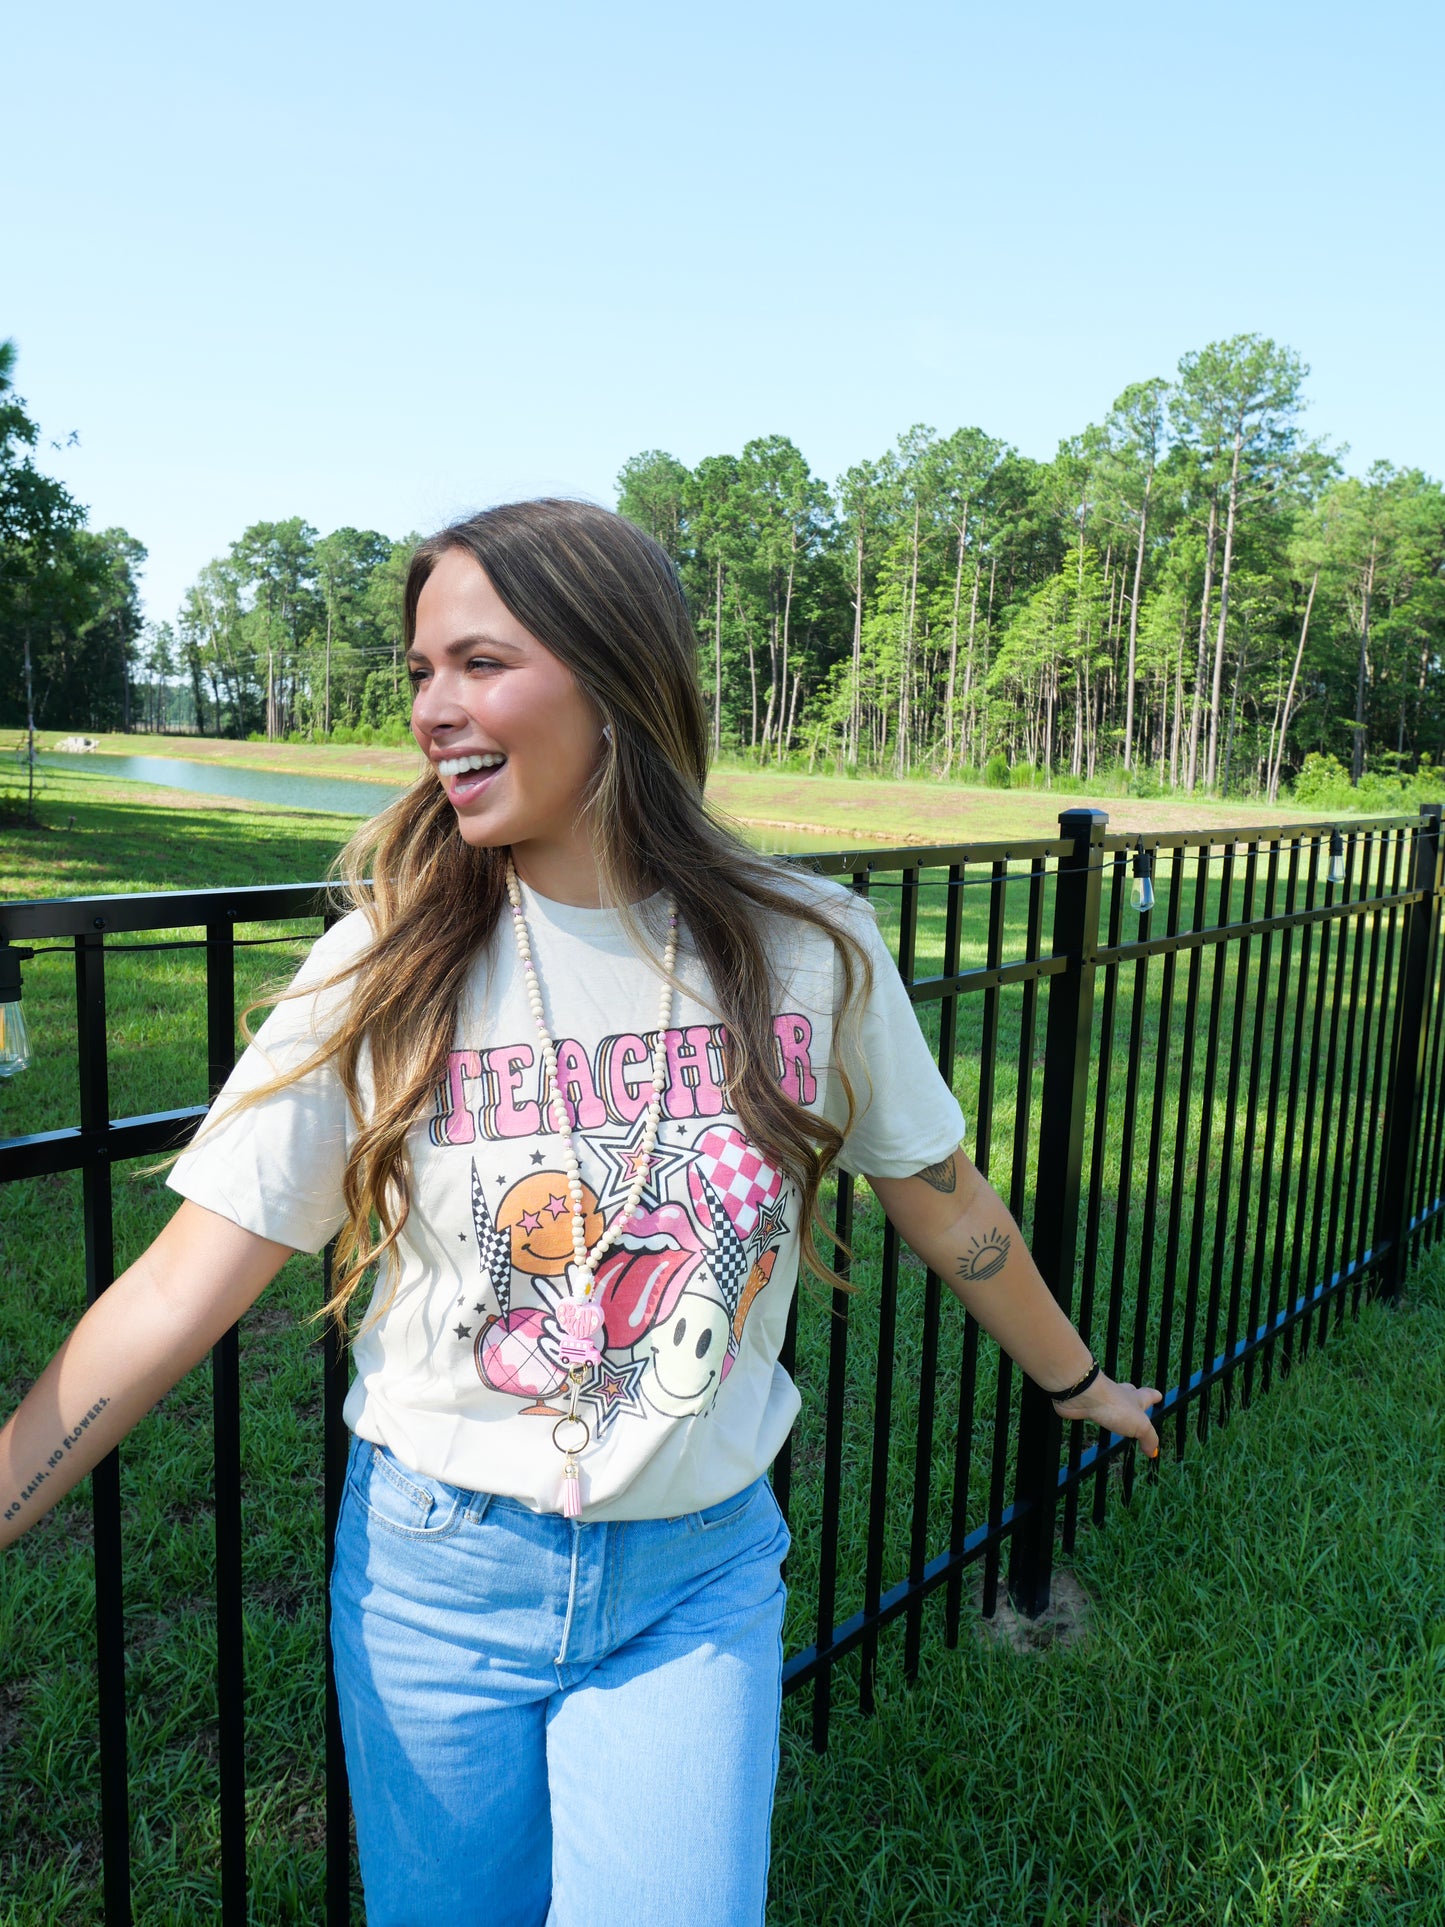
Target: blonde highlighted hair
x: 604, y: 599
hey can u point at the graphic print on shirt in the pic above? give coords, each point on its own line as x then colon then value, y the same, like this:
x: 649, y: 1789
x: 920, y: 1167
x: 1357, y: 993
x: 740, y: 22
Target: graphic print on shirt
x: 676, y: 1288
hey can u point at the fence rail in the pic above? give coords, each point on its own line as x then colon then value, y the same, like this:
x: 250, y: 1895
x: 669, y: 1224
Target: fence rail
x: 1217, y: 1136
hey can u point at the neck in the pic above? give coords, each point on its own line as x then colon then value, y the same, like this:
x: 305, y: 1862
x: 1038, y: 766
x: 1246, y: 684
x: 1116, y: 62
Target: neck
x: 563, y: 876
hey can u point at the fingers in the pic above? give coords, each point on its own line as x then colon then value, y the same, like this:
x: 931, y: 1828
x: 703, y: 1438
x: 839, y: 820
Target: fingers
x: 1134, y: 1420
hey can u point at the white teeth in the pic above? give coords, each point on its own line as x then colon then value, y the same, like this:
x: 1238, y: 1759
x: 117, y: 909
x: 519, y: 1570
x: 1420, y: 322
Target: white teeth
x: 655, y: 1241
x: 456, y: 765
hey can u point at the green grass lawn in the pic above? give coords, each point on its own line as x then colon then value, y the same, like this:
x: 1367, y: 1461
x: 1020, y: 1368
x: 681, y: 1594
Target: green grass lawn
x: 1248, y: 1729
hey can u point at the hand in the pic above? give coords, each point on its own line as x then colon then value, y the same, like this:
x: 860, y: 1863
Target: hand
x: 1119, y: 1408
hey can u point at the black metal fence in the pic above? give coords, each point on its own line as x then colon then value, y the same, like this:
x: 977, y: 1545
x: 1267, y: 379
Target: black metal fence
x: 1222, y: 1124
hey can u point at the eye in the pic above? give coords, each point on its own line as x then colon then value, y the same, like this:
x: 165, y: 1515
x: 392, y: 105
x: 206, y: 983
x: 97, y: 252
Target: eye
x: 704, y: 1343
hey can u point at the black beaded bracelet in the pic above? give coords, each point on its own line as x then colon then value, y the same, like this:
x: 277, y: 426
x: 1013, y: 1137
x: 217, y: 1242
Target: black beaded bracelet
x: 1077, y: 1391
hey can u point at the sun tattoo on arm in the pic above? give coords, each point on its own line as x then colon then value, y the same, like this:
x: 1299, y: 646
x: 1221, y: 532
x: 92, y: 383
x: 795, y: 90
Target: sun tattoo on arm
x: 985, y: 1257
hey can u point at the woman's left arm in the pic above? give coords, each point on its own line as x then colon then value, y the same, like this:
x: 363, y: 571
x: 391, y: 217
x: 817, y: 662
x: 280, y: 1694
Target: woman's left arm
x: 959, y: 1226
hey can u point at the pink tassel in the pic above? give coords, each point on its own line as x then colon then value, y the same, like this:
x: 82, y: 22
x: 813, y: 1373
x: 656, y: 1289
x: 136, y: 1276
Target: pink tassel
x: 571, y: 1492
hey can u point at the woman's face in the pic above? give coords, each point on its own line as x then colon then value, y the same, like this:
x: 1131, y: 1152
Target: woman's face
x: 484, y: 689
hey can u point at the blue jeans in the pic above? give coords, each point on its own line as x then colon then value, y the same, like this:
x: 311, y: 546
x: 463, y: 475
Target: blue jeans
x: 550, y: 1721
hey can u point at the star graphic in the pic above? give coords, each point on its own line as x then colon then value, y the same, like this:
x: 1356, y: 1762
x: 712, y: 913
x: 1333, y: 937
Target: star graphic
x: 770, y: 1229
x: 536, y: 1157
x: 479, y: 1309
x: 621, y: 1158
x: 462, y: 1237
x: 613, y: 1389
x: 502, y: 1179
x: 531, y: 1220
x: 464, y: 1331
x: 557, y: 1206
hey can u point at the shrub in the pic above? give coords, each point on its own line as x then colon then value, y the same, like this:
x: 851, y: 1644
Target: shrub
x: 996, y: 772
x: 1323, y: 783
x: 1321, y: 779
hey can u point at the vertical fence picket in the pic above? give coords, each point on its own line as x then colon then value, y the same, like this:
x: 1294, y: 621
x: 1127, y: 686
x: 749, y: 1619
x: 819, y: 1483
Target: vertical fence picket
x: 928, y: 1352
x: 1089, y: 1262
x: 335, y: 1449
x: 1056, y: 1193
x: 226, y: 1434
x: 1225, y: 1194
x: 1338, y: 1253
x: 1179, y: 1188
x: 1387, y: 1015
x: 1123, y: 1210
x: 1392, y: 1225
x: 1156, y: 1172
x: 94, y: 1069
x: 887, y: 1352
x: 826, y: 1616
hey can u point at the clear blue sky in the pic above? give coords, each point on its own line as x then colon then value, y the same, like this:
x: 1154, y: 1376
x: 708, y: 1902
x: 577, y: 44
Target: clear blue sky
x: 381, y: 265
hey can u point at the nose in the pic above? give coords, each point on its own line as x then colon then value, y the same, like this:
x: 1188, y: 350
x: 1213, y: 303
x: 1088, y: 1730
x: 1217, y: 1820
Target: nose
x: 435, y: 704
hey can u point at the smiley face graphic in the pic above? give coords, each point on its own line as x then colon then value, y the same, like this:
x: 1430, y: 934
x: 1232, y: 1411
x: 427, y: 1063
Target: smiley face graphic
x: 537, y: 1215
x: 685, y: 1356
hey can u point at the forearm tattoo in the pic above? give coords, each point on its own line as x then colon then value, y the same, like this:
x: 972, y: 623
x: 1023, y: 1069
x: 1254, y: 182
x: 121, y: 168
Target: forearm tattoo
x: 985, y: 1257
x: 942, y: 1177
x: 56, y: 1458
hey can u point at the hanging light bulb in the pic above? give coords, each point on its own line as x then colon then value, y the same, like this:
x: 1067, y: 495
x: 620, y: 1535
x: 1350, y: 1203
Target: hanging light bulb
x: 1337, y: 857
x: 1142, y: 895
x: 14, y: 1044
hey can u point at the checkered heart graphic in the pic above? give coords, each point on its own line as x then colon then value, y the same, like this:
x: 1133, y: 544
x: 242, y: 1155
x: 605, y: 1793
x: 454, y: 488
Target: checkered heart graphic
x: 740, y: 1175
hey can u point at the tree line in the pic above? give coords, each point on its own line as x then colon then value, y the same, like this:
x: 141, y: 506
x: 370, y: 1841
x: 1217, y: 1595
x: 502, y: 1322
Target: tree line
x: 1192, y: 593
x: 70, y: 610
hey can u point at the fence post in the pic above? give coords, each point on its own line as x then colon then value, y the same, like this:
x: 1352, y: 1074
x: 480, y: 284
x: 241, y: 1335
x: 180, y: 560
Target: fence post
x: 1407, y: 1073
x: 1077, y: 892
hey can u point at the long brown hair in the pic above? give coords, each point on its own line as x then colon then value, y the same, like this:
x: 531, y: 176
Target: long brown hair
x: 605, y: 599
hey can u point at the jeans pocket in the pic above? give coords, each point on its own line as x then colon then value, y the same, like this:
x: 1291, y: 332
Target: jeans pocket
x: 404, y: 1501
x: 725, y: 1512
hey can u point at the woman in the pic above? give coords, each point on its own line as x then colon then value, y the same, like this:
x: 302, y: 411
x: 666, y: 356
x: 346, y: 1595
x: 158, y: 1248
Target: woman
x: 568, y: 1078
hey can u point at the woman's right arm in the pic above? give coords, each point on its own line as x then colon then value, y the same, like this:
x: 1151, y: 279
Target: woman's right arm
x: 157, y: 1320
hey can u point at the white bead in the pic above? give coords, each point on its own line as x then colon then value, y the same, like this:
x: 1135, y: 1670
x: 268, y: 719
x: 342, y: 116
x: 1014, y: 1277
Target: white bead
x: 556, y: 1105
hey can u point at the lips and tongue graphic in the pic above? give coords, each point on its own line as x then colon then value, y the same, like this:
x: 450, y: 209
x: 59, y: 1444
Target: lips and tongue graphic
x: 638, y: 1288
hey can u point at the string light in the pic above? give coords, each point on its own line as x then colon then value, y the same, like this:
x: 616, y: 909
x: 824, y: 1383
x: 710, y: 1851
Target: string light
x: 14, y: 1043
x: 1142, y: 895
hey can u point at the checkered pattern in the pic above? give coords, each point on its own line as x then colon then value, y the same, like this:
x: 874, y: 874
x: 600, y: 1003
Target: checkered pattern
x: 494, y: 1248
x: 742, y: 1178
x: 728, y: 1259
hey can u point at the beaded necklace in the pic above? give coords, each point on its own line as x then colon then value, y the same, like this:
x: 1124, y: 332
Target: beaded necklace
x: 578, y: 1314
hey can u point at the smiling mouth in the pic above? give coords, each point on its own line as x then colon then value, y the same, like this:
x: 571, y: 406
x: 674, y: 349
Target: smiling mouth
x: 694, y: 1391
x: 464, y: 786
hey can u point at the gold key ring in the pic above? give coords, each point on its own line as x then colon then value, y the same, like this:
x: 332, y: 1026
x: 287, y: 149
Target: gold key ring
x: 570, y: 1418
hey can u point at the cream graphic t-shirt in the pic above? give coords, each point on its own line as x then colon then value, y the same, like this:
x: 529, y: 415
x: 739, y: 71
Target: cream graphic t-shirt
x: 460, y: 1375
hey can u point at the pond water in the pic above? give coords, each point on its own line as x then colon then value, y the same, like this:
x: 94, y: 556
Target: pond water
x: 344, y: 796
x: 348, y: 797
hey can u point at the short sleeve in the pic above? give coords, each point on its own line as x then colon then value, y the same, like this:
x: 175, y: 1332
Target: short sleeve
x: 907, y: 1117
x: 276, y: 1167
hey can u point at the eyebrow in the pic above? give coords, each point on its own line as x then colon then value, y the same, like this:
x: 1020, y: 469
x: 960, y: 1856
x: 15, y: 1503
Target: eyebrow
x: 462, y: 644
